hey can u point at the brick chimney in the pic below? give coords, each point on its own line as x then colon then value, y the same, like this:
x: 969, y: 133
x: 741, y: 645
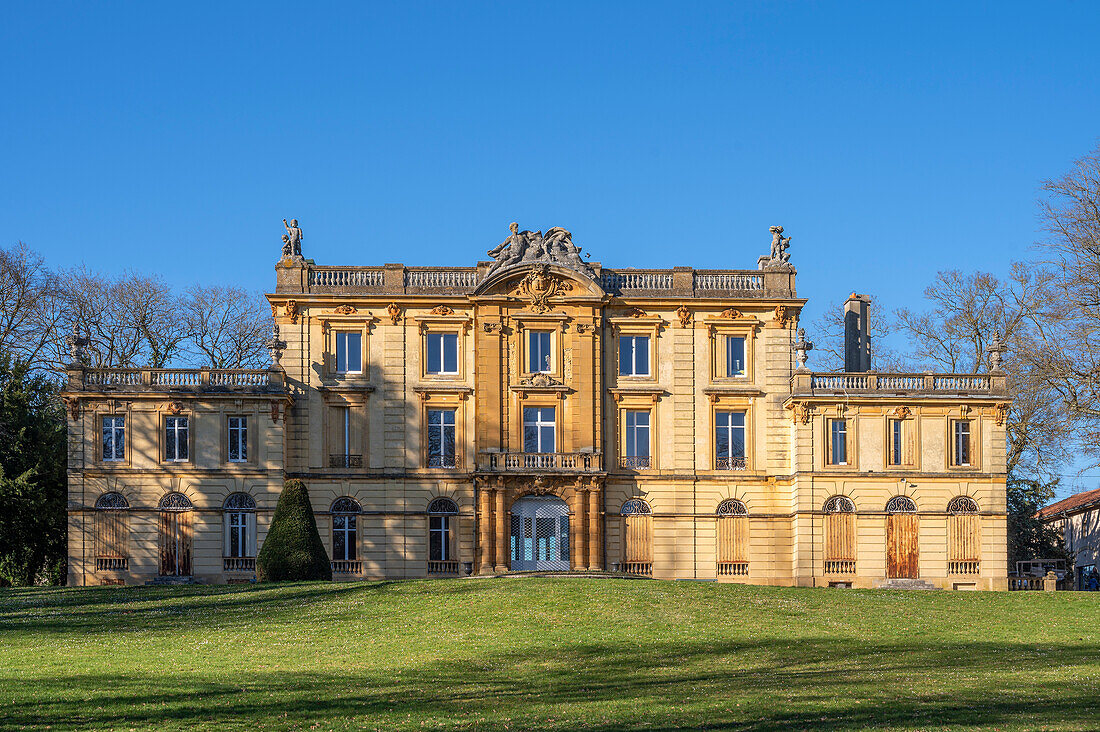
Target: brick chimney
x: 857, y: 333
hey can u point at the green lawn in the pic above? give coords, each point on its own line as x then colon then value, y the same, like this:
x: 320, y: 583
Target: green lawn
x: 559, y: 653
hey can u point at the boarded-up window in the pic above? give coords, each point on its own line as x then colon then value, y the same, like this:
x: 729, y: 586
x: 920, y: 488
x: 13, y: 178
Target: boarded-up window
x: 733, y: 539
x: 637, y: 537
x: 175, y: 535
x: 963, y: 538
x: 840, y: 536
x: 112, y: 528
x: 902, y: 527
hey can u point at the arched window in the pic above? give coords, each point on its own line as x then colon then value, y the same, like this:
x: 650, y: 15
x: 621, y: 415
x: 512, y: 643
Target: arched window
x: 239, y: 527
x: 733, y: 538
x: 442, y: 537
x: 840, y: 535
x: 637, y: 537
x: 111, y: 528
x: 901, y: 504
x: 345, y: 534
x: 175, y: 535
x: 963, y: 536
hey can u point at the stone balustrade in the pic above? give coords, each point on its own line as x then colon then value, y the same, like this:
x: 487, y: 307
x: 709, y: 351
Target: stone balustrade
x: 567, y: 462
x: 878, y: 383
x: 173, y: 380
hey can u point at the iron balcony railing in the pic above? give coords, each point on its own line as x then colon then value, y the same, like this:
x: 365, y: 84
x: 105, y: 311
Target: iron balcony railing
x: 444, y: 461
x: 635, y: 462
x: 545, y: 461
x: 345, y: 461
x: 730, y: 463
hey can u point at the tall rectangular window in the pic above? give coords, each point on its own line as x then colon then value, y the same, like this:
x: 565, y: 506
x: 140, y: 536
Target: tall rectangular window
x: 838, y: 442
x: 735, y: 356
x: 962, y: 442
x: 238, y: 534
x: 729, y: 440
x: 439, y: 539
x: 349, y: 353
x: 897, y: 428
x: 441, y: 438
x: 238, y: 439
x: 634, y: 355
x: 175, y: 439
x: 114, y: 438
x: 538, y: 429
x: 538, y: 351
x: 442, y: 352
x: 637, y: 434
x: 343, y: 537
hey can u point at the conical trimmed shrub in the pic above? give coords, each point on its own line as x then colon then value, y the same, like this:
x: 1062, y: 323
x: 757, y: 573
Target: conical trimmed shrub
x: 293, y: 550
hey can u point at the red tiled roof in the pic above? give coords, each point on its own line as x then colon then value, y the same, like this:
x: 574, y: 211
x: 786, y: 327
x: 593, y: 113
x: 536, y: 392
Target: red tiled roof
x: 1073, y: 502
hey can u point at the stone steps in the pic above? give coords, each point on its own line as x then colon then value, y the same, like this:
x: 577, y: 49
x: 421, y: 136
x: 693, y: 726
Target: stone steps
x: 904, y: 584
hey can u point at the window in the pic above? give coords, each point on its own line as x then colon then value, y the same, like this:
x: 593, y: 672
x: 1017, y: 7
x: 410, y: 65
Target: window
x: 441, y: 438
x: 238, y: 439
x: 838, y: 442
x: 735, y: 356
x: 840, y: 535
x: 442, y: 353
x: 538, y: 351
x: 114, y: 438
x: 441, y: 517
x: 175, y: 439
x: 637, y: 537
x: 538, y: 429
x: 729, y: 440
x: 344, y: 519
x: 961, y: 452
x: 636, y: 449
x: 349, y: 353
x: 340, y: 440
x: 111, y: 532
x: 240, y: 527
x: 733, y: 539
x: 963, y: 536
x: 634, y: 355
x: 897, y: 428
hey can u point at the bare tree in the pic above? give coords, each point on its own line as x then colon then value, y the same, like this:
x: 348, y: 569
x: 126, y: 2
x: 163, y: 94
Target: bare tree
x: 227, y: 326
x: 29, y: 304
x: 828, y: 337
x: 148, y: 306
x: 92, y: 304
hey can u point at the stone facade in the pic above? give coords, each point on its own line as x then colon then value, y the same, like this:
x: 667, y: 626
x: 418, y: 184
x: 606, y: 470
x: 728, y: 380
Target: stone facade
x: 543, y: 397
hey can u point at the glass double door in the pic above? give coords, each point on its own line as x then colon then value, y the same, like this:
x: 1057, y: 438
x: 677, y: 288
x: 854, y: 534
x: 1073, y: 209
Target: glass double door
x: 540, y: 534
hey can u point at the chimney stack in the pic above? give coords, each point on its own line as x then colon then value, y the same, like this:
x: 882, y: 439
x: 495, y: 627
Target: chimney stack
x: 857, y: 333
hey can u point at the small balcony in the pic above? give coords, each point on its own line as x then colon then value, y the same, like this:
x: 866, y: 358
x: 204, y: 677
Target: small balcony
x: 239, y: 564
x: 545, y: 462
x: 730, y: 463
x: 442, y: 568
x: 112, y: 564
x: 444, y: 461
x: 345, y: 461
x: 346, y: 566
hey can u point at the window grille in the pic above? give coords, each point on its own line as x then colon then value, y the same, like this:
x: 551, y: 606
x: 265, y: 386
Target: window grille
x: 962, y: 504
x: 839, y: 504
x: 175, y: 502
x: 240, y: 502
x: 732, y: 507
x: 901, y: 504
x: 443, y: 506
x: 345, y: 505
x: 636, y: 507
x: 111, y: 501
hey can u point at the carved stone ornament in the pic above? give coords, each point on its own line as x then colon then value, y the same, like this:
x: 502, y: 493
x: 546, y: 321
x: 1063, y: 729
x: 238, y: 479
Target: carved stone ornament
x: 491, y: 326
x: 783, y: 316
x: 345, y: 310
x: 175, y: 407
x: 583, y: 327
x: 276, y: 409
x: 778, y: 258
x: 442, y: 310
x: 275, y: 345
x: 1000, y: 413
x: 527, y: 247
x: 292, y: 310
x: 540, y: 380
x: 684, y: 315
x: 73, y: 403
x: 539, y: 286
x: 902, y: 412
x: 996, y: 352
x: 394, y: 312
x: 637, y: 313
x: 802, y: 347
x: 731, y: 314
x: 77, y: 343
x: 292, y: 239
x: 800, y: 412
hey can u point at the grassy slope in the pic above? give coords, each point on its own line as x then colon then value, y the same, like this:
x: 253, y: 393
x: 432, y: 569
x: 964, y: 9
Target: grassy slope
x: 552, y: 653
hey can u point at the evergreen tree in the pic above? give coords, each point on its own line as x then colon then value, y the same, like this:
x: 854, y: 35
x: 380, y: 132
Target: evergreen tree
x: 1028, y: 537
x: 293, y: 549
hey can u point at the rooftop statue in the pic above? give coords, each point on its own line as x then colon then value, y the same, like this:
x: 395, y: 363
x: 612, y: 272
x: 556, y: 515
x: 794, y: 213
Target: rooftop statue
x: 292, y: 240
x: 778, y: 258
x: 522, y: 247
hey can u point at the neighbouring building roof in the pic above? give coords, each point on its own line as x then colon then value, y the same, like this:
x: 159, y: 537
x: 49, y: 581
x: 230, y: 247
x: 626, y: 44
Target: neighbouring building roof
x: 1075, y: 502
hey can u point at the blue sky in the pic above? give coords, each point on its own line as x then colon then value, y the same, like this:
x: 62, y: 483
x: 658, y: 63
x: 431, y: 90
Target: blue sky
x: 891, y: 140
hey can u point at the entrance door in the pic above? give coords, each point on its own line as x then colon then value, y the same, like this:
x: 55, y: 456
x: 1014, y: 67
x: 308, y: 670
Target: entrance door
x: 901, y: 539
x: 540, y: 534
x: 175, y: 536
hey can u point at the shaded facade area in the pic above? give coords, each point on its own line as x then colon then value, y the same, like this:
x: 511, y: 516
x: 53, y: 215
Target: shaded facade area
x: 542, y: 412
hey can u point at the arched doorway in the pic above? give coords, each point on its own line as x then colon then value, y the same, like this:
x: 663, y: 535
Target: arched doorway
x: 175, y: 535
x: 902, y: 524
x: 540, y: 534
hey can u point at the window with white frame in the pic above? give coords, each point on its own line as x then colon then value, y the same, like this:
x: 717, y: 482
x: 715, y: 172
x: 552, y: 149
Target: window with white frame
x: 114, y: 438
x: 238, y: 439
x: 441, y: 518
x: 349, y: 352
x: 539, y: 357
x: 961, y: 449
x: 538, y: 429
x: 344, y: 529
x: 838, y: 442
x: 240, y: 525
x: 441, y: 438
x: 633, y: 355
x: 735, y: 356
x: 897, y: 434
x: 729, y: 440
x: 442, y: 353
x: 175, y: 439
x: 636, y: 438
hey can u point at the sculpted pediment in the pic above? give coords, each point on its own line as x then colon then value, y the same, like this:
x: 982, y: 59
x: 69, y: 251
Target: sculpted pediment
x: 549, y: 263
x: 540, y: 285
